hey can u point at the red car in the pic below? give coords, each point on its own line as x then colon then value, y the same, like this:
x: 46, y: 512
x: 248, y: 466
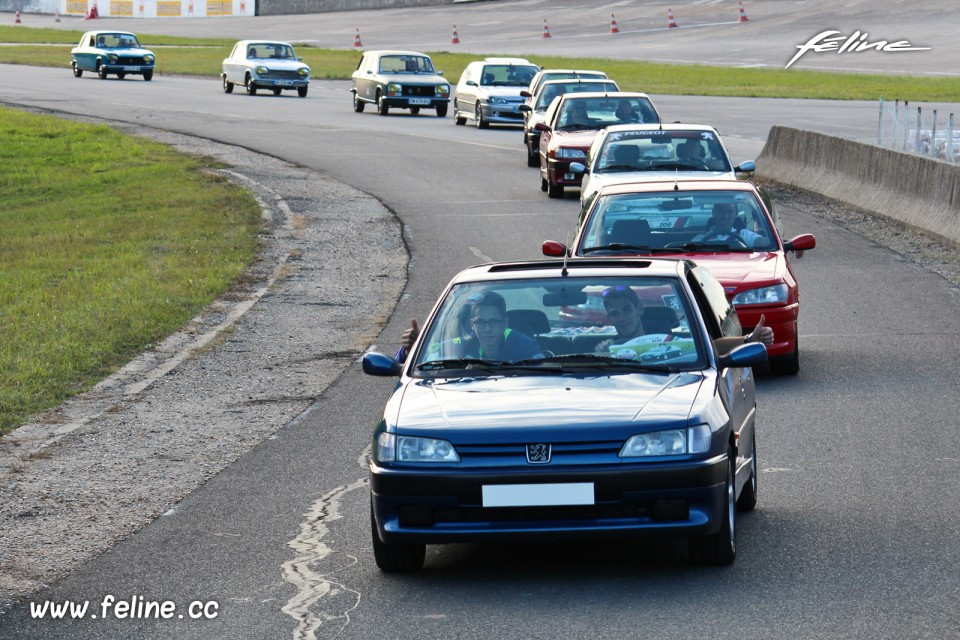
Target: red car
x: 571, y: 123
x: 729, y: 227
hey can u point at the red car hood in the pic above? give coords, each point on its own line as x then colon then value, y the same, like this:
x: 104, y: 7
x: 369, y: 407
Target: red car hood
x: 574, y: 138
x: 742, y: 270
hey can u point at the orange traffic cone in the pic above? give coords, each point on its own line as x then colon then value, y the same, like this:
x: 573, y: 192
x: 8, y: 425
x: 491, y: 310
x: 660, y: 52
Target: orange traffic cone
x: 743, y: 14
x: 17, y: 19
x: 613, y: 25
x: 671, y: 23
x: 455, y: 39
x: 546, y: 29
x: 356, y: 39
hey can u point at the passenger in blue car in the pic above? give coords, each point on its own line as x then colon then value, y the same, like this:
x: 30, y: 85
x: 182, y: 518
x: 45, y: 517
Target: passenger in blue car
x: 489, y: 337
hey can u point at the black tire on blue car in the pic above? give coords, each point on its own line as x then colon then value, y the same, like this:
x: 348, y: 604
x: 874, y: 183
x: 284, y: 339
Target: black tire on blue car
x: 101, y: 71
x: 148, y: 75
x: 442, y: 110
x: 302, y: 91
x: 382, y: 107
x: 77, y: 71
x: 395, y: 557
x: 719, y: 548
x: 251, y: 88
x: 748, y: 496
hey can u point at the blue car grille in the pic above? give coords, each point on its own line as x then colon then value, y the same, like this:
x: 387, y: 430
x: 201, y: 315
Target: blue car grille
x: 419, y: 90
x: 514, y: 454
x: 130, y: 60
x: 284, y: 74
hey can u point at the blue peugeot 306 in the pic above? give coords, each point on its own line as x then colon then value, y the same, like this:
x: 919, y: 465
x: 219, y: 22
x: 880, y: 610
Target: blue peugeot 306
x: 570, y: 399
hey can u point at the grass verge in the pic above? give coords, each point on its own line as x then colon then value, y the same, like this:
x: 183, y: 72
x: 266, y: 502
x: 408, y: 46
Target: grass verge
x: 203, y: 57
x: 109, y: 244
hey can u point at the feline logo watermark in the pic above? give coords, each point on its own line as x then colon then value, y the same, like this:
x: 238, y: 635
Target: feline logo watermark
x: 857, y: 42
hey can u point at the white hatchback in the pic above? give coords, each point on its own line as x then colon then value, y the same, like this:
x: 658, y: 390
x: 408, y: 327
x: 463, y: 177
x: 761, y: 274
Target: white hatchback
x: 654, y: 152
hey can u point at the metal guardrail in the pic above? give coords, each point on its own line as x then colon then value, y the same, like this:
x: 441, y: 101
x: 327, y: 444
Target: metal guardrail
x: 900, y: 129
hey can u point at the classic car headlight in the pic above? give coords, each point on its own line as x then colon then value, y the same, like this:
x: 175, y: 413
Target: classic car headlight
x: 303, y: 71
x: 394, y: 87
x: 764, y: 295
x: 394, y: 448
x: 148, y: 59
x: 572, y: 154
x: 261, y: 71
x: 673, y: 442
x: 443, y: 89
x: 112, y: 58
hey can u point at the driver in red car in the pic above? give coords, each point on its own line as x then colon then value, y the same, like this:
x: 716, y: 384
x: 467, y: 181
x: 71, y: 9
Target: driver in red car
x: 724, y: 227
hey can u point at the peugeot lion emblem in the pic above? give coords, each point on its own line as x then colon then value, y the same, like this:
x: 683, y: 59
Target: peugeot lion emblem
x: 538, y: 453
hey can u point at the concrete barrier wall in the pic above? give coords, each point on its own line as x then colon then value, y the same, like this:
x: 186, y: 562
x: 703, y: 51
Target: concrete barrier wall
x: 922, y: 193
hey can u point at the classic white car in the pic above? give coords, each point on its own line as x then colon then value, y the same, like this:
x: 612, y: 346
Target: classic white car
x: 116, y: 52
x: 399, y: 80
x: 265, y: 64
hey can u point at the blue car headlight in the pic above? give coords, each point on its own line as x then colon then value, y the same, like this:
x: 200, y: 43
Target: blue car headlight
x: 262, y: 71
x: 112, y: 58
x: 571, y: 154
x: 671, y: 442
x: 777, y: 294
x: 303, y: 71
x: 394, y: 448
x: 148, y: 59
x: 443, y: 89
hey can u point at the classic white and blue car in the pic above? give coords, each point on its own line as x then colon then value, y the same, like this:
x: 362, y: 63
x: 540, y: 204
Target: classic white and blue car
x: 116, y: 52
x: 265, y: 64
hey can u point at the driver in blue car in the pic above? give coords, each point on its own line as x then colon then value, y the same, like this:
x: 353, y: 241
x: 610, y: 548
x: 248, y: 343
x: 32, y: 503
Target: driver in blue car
x: 491, y: 338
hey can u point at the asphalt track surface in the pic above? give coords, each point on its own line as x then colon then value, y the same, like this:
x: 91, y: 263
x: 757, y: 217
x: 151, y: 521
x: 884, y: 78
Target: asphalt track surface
x: 855, y: 535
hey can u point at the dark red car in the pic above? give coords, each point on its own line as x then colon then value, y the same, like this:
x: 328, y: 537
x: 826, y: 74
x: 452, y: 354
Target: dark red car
x: 726, y: 226
x: 571, y: 123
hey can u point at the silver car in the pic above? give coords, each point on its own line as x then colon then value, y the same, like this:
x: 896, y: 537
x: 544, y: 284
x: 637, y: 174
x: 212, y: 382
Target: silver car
x: 489, y: 91
x: 265, y: 64
x: 652, y: 152
x: 399, y: 80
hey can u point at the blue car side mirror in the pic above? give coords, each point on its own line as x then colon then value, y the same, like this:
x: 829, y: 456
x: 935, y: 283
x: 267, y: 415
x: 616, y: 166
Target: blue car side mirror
x: 377, y: 364
x: 747, y: 355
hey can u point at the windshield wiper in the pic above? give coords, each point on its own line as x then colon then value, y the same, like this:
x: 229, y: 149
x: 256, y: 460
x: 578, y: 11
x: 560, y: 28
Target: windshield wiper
x: 616, y: 246
x: 484, y: 365
x: 596, y: 360
x: 460, y: 363
x: 613, y: 168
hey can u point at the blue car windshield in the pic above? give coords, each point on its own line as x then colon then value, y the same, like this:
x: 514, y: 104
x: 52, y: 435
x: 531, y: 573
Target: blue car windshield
x: 406, y: 64
x: 117, y: 41
x: 610, y: 324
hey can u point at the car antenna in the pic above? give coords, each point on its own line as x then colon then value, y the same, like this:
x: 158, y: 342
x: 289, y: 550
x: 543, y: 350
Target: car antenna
x: 676, y: 180
x: 566, y: 253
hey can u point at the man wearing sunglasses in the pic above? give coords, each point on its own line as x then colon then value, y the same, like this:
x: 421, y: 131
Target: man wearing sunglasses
x: 491, y: 338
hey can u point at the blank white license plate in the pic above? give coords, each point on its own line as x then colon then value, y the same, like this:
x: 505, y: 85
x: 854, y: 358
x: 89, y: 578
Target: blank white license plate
x: 538, y: 495
x: 131, y: 68
x: 419, y: 100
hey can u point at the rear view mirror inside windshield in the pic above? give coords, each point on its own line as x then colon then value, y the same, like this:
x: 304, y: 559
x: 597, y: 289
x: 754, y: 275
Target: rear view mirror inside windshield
x: 675, y: 204
x: 564, y: 298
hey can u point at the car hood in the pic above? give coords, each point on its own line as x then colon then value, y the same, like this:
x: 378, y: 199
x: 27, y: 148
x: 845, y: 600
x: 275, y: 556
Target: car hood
x: 279, y: 65
x: 412, y: 78
x: 583, y: 138
x: 503, y: 92
x: 624, y: 177
x: 551, y: 404
x: 741, y: 269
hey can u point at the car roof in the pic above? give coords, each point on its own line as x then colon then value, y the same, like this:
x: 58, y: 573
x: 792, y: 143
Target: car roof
x: 116, y: 31
x: 559, y: 269
x: 270, y: 42
x: 680, y: 186
x: 587, y: 81
x: 546, y: 71
x: 653, y: 126
x: 509, y: 61
x: 604, y: 94
x: 394, y: 52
